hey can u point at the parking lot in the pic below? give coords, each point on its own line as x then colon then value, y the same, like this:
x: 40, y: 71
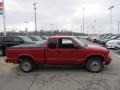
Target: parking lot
x: 61, y: 78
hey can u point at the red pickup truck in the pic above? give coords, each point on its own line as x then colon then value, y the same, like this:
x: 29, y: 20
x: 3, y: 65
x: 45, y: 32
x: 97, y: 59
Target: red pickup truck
x: 59, y: 50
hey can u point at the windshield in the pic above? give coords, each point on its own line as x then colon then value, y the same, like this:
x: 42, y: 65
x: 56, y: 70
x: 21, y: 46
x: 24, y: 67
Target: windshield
x: 108, y: 36
x: 113, y: 37
x: 39, y: 38
x: 33, y: 39
x: 26, y: 39
x: 36, y: 38
x: 44, y: 37
x: 79, y: 42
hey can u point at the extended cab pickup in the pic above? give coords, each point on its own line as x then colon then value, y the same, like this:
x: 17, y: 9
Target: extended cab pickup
x: 59, y: 50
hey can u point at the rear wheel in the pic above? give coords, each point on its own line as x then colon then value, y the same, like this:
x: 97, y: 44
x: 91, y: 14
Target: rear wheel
x: 95, y: 64
x: 26, y: 65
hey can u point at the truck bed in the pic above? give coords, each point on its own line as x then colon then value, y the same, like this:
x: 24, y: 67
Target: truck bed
x: 34, y: 51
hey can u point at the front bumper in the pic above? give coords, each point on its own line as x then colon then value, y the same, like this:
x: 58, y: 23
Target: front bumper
x: 108, y: 61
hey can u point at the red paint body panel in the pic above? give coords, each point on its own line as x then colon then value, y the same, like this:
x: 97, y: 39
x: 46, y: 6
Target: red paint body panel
x: 37, y: 54
x: 65, y: 56
x: 58, y: 55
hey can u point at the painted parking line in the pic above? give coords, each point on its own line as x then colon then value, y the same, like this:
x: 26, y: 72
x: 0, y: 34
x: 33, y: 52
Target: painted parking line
x: 115, y: 54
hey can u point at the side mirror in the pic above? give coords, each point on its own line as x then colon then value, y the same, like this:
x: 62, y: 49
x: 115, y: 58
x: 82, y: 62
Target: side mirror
x: 76, y: 46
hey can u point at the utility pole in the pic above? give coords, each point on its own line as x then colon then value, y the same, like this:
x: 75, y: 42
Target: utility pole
x: 4, y: 19
x: 87, y: 29
x: 52, y: 28
x: 110, y: 8
x: 93, y: 29
x: 95, y: 26
x: 118, y: 26
x: 26, y: 29
x: 81, y: 29
x: 72, y: 30
x: 83, y: 22
x: 34, y: 4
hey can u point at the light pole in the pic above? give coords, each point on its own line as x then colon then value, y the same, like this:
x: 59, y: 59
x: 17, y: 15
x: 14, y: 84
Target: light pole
x: 4, y: 18
x: 72, y: 30
x: 95, y: 27
x: 83, y: 21
x: 26, y: 29
x: 110, y: 8
x: 118, y: 26
x: 34, y: 4
x: 52, y: 25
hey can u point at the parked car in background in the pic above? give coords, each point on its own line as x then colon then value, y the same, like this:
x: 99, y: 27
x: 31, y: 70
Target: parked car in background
x: 112, y: 44
x: 99, y: 38
x: 92, y: 38
x: 44, y: 37
x: 107, y: 38
x: 7, y: 41
x: 113, y: 37
x: 37, y: 39
x: 117, y: 46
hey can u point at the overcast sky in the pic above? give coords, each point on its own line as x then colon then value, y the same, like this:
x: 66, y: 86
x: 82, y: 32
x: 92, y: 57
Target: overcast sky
x: 64, y: 14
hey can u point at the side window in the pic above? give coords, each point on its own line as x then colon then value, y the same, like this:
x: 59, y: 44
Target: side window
x: 66, y: 43
x: 8, y: 39
x: 52, y: 43
x: 18, y: 40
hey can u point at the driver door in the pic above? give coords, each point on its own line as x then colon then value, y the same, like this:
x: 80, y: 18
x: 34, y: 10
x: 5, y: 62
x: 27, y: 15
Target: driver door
x: 67, y: 53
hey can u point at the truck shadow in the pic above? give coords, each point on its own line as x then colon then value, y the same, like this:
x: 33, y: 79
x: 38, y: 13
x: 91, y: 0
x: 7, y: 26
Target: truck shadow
x: 59, y: 69
x: 52, y: 69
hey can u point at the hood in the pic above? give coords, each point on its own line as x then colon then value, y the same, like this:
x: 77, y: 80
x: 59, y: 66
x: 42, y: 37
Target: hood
x: 96, y: 48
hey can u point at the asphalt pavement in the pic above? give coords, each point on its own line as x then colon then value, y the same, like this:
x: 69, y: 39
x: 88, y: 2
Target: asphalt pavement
x: 61, y: 78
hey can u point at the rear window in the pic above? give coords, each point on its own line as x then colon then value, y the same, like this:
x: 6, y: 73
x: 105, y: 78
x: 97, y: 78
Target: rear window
x: 52, y: 43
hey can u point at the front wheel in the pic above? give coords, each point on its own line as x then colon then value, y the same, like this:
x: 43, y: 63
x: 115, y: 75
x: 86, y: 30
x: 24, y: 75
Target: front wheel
x: 26, y: 65
x: 95, y: 65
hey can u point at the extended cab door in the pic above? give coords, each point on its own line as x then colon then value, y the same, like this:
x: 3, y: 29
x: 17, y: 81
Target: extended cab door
x: 68, y: 53
x: 51, y: 52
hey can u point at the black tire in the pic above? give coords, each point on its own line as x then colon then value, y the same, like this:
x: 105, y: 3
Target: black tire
x: 26, y: 65
x: 1, y: 52
x: 95, y: 64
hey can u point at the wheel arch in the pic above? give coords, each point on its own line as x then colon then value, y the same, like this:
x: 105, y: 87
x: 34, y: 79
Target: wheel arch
x: 20, y: 58
x: 100, y: 56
